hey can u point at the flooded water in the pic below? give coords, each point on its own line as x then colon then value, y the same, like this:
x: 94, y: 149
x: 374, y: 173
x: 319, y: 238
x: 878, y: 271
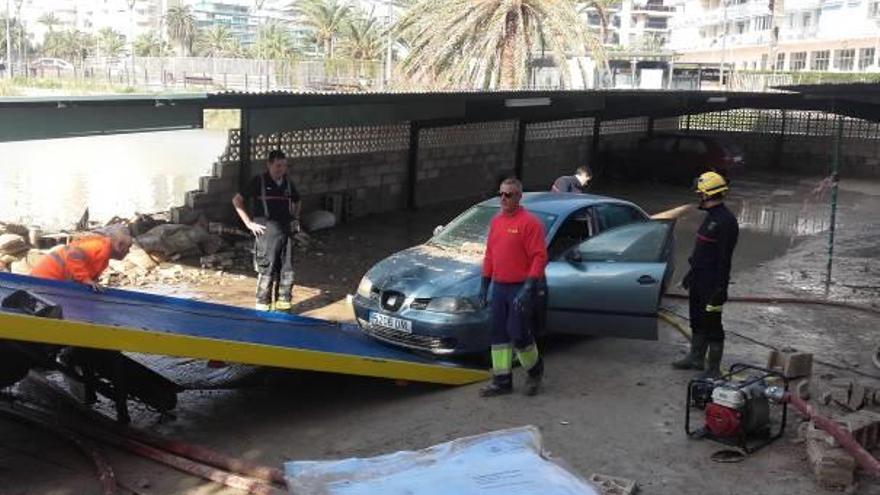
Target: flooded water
x: 51, y: 182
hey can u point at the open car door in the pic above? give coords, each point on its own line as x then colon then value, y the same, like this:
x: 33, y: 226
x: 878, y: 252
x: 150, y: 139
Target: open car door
x: 611, y: 284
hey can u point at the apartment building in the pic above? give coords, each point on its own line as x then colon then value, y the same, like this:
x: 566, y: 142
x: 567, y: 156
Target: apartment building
x: 91, y: 15
x: 780, y: 35
x: 635, y: 24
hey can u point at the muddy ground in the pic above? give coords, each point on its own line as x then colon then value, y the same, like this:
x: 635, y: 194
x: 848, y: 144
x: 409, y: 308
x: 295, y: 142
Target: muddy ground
x: 610, y: 406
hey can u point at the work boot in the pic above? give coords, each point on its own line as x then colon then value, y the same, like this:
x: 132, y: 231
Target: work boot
x: 493, y: 389
x: 533, y: 384
x: 716, y: 351
x: 694, y: 360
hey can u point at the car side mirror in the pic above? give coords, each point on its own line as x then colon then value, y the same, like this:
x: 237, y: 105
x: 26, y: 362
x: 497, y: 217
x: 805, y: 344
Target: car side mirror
x: 438, y: 229
x: 573, y: 256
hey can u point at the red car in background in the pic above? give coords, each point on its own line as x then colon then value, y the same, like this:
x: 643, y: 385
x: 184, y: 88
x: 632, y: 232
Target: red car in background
x: 674, y: 158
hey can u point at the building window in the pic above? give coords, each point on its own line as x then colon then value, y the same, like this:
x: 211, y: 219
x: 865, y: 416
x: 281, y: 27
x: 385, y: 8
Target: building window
x: 808, y: 19
x: 844, y: 59
x: 780, y: 61
x: 819, y: 60
x: 866, y: 58
x: 798, y: 61
x: 874, y: 9
x: 740, y: 27
x: 764, y: 59
x: 762, y: 23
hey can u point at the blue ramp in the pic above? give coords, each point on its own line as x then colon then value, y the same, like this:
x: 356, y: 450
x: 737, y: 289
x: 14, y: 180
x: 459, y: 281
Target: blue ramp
x: 137, y: 322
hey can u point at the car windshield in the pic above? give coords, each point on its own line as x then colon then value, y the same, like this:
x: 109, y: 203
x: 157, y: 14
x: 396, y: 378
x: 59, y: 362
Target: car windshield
x: 469, y: 230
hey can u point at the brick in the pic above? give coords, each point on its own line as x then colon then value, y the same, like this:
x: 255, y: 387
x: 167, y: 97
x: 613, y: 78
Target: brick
x: 612, y: 485
x: 833, y: 467
x: 791, y: 364
x: 864, y: 426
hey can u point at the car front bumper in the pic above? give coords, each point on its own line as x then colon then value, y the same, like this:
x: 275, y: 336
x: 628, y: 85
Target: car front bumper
x: 437, y: 333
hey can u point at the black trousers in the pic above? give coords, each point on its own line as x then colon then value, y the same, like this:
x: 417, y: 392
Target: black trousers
x: 273, y: 261
x: 704, y: 322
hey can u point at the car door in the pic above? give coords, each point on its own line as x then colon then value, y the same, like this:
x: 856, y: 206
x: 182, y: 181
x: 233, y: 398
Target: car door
x: 611, y: 284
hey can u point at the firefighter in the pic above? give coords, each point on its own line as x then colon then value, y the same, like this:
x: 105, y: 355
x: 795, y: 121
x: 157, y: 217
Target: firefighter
x: 275, y: 205
x: 576, y: 183
x: 85, y: 258
x: 709, y: 276
x: 514, y: 267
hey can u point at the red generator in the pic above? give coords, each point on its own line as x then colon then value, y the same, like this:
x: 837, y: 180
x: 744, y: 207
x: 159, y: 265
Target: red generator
x: 736, y: 409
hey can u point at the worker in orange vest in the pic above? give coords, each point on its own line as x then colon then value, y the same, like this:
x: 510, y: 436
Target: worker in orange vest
x: 84, y: 259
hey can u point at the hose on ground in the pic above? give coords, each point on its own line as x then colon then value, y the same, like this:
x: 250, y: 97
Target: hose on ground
x: 245, y: 484
x: 790, y: 300
x: 193, y: 452
x: 666, y: 315
x: 106, y: 477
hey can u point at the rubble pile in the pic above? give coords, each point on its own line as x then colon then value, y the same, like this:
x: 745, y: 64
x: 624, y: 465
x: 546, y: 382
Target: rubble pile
x: 158, y: 254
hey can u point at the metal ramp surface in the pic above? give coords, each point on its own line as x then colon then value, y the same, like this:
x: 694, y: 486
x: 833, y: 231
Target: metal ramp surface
x: 146, y: 323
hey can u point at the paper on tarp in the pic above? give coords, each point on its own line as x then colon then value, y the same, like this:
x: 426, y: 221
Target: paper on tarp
x: 507, y: 461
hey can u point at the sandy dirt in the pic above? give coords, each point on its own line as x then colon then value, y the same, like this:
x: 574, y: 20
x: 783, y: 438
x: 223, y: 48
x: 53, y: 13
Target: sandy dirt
x: 610, y: 406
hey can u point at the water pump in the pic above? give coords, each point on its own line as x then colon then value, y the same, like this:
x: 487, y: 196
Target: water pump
x: 736, y: 408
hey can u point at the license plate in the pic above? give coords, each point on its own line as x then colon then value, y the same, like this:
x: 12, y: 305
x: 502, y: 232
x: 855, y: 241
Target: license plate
x: 391, y: 322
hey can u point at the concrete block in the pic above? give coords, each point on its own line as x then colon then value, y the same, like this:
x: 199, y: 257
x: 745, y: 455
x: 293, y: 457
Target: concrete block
x: 791, y: 364
x: 833, y: 467
x: 864, y: 426
x: 612, y: 485
x: 227, y: 186
x: 182, y: 214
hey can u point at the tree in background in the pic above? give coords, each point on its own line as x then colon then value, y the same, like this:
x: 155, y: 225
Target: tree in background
x: 274, y: 42
x: 150, y: 44
x: 17, y: 33
x: 50, y: 21
x: 215, y: 42
x: 181, y: 25
x: 72, y: 45
x: 326, y: 20
x: 488, y: 44
x: 363, y: 41
x: 110, y: 43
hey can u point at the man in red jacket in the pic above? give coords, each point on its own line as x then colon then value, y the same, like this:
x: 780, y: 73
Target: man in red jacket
x: 516, y: 255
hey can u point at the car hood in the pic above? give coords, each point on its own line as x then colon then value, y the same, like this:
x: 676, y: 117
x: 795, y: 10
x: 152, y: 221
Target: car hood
x: 428, y: 271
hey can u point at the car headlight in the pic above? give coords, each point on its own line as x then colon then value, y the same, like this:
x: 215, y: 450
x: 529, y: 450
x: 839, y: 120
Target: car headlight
x: 365, y: 288
x: 451, y: 305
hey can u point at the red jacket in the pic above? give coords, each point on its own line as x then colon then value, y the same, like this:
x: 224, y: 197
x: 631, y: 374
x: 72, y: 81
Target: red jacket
x: 81, y: 260
x: 515, y: 249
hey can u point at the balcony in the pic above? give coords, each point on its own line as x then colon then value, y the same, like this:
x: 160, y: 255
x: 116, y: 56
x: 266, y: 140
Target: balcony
x: 797, y: 5
x: 653, y: 9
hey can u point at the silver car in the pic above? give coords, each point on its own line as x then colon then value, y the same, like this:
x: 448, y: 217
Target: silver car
x: 609, y: 265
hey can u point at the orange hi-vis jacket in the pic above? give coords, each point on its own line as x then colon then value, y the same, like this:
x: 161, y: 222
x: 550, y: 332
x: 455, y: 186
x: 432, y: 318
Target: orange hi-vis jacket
x: 81, y: 260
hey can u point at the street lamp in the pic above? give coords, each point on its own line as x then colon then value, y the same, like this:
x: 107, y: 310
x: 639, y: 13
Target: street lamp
x: 8, y: 41
x: 131, y: 29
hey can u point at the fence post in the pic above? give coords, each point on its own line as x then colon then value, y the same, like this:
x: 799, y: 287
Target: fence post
x: 835, y: 166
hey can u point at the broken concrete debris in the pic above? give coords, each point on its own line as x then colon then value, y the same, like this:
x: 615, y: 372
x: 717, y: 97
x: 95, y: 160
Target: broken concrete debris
x: 611, y: 485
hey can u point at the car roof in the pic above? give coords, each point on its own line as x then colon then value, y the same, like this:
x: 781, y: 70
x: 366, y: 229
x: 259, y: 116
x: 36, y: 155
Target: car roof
x: 558, y: 203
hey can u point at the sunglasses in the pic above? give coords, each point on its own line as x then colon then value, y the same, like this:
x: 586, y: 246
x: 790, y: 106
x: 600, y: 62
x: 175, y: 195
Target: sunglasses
x: 507, y: 194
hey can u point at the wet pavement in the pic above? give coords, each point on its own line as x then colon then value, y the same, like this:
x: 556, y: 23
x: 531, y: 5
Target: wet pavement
x: 611, y: 406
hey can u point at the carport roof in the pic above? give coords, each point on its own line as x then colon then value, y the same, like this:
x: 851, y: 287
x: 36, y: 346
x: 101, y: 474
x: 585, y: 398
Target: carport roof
x: 45, y: 117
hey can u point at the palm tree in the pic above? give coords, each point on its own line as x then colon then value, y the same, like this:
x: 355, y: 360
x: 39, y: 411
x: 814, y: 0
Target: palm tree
x: 215, y: 42
x: 181, y: 24
x: 72, y: 45
x: 325, y: 19
x: 150, y: 44
x: 273, y: 42
x: 364, y: 39
x: 110, y: 43
x: 488, y: 44
x: 50, y: 21
x: 602, y: 9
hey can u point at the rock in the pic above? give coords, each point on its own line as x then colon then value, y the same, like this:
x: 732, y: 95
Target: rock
x: 21, y: 267
x: 8, y: 259
x: 611, y: 485
x: 318, y: 220
x: 14, y: 228
x: 175, y: 241
x: 864, y: 426
x: 141, y: 259
x: 12, y: 244
x: 833, y: 466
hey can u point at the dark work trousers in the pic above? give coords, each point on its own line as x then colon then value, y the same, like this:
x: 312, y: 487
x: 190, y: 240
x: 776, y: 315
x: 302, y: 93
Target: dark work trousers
x: 704, y: 322
x: 512, y: 331
x: 273, y: 261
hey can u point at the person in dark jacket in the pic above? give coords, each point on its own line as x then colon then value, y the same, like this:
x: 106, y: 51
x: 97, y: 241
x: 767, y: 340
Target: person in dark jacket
x: 709, y: 276
x: 576, y: 183
x: 270, y: 207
